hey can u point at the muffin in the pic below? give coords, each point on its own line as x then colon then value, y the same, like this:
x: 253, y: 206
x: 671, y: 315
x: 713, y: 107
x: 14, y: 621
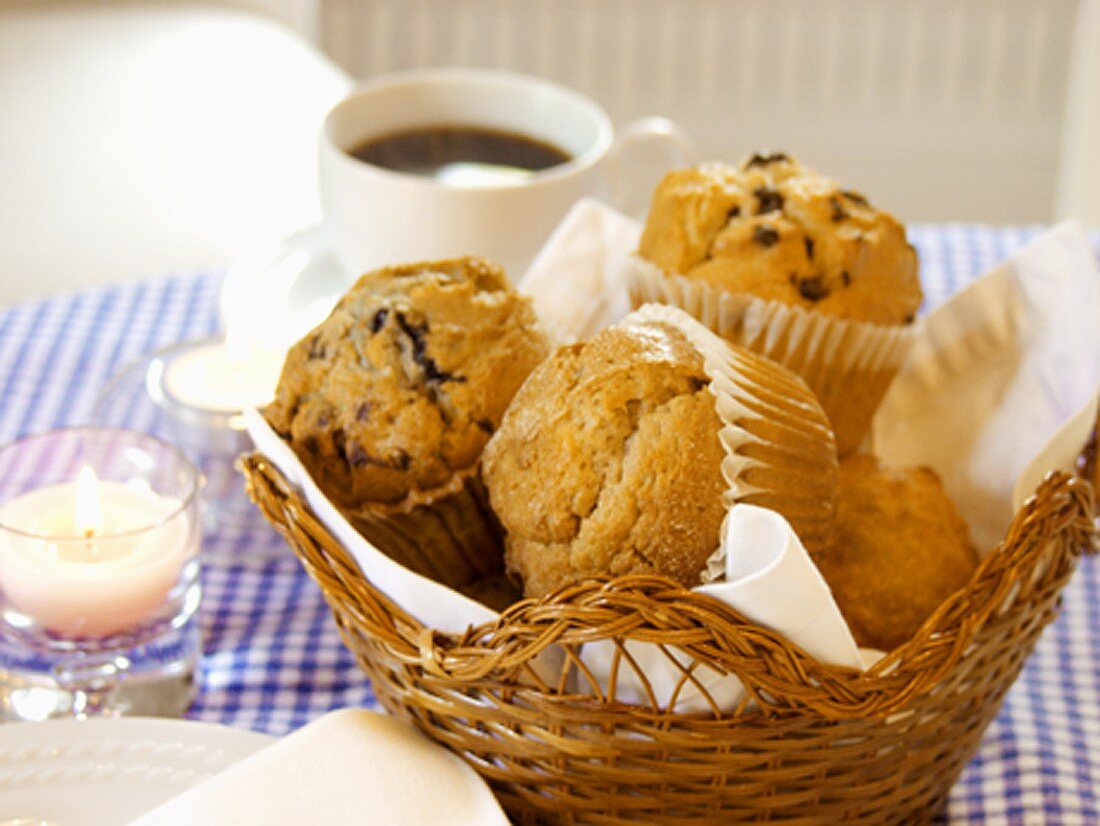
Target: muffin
x: 899, y: 551
x: 782, y: 260
x: 621, y: 454
x: 390, y: 401
x: 780, y: 231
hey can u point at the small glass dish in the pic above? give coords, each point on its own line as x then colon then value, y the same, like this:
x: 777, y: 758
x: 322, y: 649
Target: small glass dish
x: 100, y: 539
x: 143, y: 397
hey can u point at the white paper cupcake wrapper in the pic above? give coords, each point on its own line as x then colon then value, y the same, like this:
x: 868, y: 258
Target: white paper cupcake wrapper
x: 848, y: 364
x: 738, y: 397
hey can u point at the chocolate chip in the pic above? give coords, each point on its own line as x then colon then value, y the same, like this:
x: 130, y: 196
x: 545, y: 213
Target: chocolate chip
x: 362, y: 412
x: 486, y: 426
x: 846, y: 277
x: 813, y: 288
x: 734, y: 212
x: 316, y: 348
x: 809, y: 247
x: 909, y: 319
x: 765, y: 160
x: 402, y: 460
x: 378, y: 320
x: 339, y: 442
x: 768, y: 200
x: 765, y: 235
x: 419, y: 351
x: 839, y: 213
x: 855, y: 198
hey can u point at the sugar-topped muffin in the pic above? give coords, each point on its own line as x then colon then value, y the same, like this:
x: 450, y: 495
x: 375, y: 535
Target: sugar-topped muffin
x: 391, y: 399
x: 900, y: 549
x: 609, y: 463
x: 609, y: 460
x: 776, y: 229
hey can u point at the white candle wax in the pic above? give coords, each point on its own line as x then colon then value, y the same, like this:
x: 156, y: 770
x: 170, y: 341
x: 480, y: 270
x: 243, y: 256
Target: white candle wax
x: 101, y: 584
x: 212, y: 377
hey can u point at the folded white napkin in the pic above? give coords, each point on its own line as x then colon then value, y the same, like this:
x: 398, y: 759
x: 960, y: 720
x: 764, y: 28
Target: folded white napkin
x: 349, y: 766
x: 1002, y: 383
x: 769, y: 578
x: 578, y: 280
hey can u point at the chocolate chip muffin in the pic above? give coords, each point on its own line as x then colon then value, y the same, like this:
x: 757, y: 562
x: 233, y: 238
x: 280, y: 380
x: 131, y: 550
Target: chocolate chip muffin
x: 611, y: 460
x: 899, y: 551
x: 390, y: 401
x: 786, y: 262
x: 778, y: 230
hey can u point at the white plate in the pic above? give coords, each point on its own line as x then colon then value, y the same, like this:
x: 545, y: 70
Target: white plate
x: 99, y: 772
x: 275, y: 293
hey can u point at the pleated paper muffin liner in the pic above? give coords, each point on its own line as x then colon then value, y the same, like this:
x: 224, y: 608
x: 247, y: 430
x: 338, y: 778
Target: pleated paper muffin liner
x: 849, y: 365
x: 448, y: 533
x: 780, y: 450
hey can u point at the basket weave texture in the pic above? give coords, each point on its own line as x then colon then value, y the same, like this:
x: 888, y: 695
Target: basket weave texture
x: 810, y: 743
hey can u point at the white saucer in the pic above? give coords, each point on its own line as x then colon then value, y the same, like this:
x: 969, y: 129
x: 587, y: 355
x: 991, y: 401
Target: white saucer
x: 98, y: 772
x: 275, y: 293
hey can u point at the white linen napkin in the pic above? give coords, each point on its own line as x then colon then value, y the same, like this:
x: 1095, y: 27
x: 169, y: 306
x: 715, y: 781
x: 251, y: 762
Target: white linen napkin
x: 769, y: 578
x: 578, y: 280
x: 1002, y: 383
x: 349, y: 766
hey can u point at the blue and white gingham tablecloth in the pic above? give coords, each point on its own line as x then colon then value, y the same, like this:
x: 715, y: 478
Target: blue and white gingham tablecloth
x: 274, y: 661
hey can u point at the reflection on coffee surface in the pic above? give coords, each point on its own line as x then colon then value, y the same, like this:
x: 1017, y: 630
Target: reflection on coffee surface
x: 465, y: 155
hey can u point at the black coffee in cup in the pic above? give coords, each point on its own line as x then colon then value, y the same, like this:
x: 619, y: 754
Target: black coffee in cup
x: 465, y: 154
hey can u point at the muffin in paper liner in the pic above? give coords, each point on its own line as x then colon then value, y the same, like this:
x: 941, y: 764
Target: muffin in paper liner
x: 780, y: 450
x: 774, y: 449
x: 391, y: 399
x: 849, y: 365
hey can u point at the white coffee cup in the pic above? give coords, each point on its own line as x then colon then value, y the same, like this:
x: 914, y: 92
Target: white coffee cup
x: 378, y: 216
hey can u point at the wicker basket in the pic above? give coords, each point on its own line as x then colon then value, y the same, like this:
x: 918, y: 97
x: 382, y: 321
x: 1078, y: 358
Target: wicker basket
x: 811, y: 742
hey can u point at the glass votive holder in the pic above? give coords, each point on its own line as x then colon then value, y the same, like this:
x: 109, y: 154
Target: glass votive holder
x: 193, y: 388
x: 192, y: 394
x: 100, y: 533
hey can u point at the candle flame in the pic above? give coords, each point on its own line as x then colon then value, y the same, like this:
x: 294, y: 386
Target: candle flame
x: 88, y: 514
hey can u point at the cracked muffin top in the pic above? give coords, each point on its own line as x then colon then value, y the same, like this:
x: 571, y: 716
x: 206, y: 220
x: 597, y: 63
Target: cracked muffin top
x: 608, y: 462
x: 773, y: 228
x: 403, y: 384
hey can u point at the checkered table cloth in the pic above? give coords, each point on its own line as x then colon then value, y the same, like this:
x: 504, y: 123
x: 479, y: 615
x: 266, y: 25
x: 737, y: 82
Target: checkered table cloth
x: 274, y: 660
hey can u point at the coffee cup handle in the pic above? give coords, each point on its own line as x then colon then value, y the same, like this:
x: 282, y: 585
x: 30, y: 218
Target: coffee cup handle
x: 643, y: 136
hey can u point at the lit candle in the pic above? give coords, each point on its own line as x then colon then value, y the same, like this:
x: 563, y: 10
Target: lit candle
x: 92, y: 558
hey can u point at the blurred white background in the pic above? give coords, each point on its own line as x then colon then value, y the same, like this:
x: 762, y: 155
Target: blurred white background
x: 141, y: 137
x: 942, y: 109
